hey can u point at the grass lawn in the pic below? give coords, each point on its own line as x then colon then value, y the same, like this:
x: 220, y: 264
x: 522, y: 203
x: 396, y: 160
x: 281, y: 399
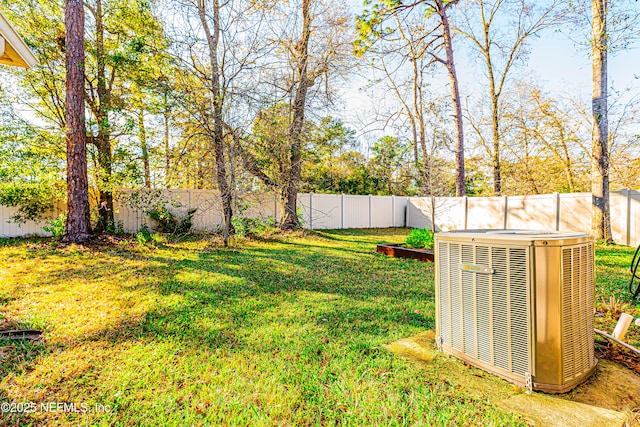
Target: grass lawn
x: 289, y: 331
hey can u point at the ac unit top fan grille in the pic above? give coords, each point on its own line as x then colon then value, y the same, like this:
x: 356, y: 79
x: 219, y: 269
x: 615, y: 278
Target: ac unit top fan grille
x: 518, y: 237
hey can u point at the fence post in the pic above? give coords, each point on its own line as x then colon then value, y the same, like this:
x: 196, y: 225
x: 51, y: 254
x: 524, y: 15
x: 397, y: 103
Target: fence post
x: 369, y: 210
x: 275, y: 208
x: 506, y: 212
x: 625, y: 191
x: 406, y: 213
x: 342, y: 210
x: 393, y: 210
x: 557, y: 198
x: 466, y: 212
x: 311, y: 211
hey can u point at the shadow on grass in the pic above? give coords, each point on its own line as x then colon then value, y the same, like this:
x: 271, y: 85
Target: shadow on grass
x: 224, y: 291
x: 255, y: 271
x: 376, y: 235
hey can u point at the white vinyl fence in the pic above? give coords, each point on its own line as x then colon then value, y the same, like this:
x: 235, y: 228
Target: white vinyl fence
x: 563, y: 212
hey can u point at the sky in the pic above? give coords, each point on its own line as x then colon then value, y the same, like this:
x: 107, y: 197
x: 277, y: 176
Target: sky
x: 555, y: 62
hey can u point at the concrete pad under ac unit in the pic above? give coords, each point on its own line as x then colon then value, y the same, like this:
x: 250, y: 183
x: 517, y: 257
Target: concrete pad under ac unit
x: 606, y: 399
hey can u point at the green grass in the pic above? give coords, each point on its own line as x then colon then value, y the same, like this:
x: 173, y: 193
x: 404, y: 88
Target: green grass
x: 612, y: 280
x: 288, y: 331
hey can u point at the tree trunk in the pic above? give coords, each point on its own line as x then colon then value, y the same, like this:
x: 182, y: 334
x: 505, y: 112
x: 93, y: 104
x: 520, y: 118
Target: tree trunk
x: 495, y: 131
x: 103, y: 140
x: 104, y: 186
x: 213, y: 39
x: 167, y: 149
x: 495, y: 118
x: 455, y: 96
x: 78, y: 225
x: 142, y: 133
x: 419, y: 134
x: 600, y: 221
x: 290, y: 192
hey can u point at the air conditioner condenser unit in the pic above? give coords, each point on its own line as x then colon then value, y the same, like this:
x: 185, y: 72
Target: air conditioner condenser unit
x: 518, y: 304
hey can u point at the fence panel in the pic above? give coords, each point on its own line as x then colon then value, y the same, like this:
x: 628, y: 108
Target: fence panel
x: 130, y: 217
x: 485, y: 212
x: 356, y: 211
x: 634, y: 218
x: 531, y: 212
x: 257, y: 205
x: 449, y: 213
x: 400, y: 211
x: 326, y: 211
x: 208, y: 205
x: 382, y: 211
x: 575, y: 212
x: 618, y: 205
x: 9, y: 228
x: 304, y: 205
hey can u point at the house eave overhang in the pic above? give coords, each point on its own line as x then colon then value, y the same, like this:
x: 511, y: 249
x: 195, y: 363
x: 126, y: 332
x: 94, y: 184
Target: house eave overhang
x: 13, y: 50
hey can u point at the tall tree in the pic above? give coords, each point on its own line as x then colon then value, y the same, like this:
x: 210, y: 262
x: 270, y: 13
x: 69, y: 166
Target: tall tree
x: 402, y: 62
x: 440, y: 38
x: 601, y: 220
x: 119, y: 35
x: 124, y: 34
x: 304, y: 81
x: 313, y: 48
x: 500, y: 50
x: 221, y: 61
x: 389, y: 165
x: 612, y: 25
x: 546, y: 149
x: 78, y: 226
x: 212, y: 34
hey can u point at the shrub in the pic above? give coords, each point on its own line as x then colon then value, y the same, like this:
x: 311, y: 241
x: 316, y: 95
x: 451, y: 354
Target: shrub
x: 420, y: 238
x: 143, y: 236
x: 143, y: 199
x: 245, y: 226
x: 170, y: 223
x: 56, y: 226
x: 115, y: 227
x: 33, y: 199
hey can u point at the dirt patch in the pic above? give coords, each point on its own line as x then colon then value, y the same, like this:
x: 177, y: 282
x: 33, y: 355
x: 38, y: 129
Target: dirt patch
x: 612, y: 386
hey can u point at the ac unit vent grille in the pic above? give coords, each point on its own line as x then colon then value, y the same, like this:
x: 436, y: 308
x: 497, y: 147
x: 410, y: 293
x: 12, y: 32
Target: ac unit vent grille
x: 483, y: 300
x: 468, y: 304
x: 455, y: 298
x: 577, y: 312
x: 444, y: 304
x: 486, y: 316
x: 519, y: 313
x: 500, y: 305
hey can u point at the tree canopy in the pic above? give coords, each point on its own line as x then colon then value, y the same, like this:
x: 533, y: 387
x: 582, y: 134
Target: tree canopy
x: 258, y: 96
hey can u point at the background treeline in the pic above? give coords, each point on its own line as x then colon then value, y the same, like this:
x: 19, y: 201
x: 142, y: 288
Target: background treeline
x: 245, y: 95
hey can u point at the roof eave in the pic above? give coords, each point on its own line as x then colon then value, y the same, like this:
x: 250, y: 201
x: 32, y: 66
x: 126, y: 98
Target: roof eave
x: 16, y: 52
